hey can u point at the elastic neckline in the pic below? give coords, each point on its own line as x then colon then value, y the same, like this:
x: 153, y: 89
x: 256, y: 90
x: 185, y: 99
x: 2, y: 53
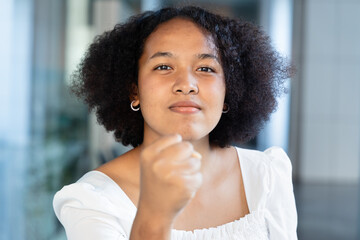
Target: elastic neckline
x: 222, y: 226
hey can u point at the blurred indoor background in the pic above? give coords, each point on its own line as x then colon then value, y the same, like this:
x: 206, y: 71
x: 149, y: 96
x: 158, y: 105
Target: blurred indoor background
x: 48, y: 138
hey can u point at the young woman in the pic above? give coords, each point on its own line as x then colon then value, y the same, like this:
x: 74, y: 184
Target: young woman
x: 182, y: 85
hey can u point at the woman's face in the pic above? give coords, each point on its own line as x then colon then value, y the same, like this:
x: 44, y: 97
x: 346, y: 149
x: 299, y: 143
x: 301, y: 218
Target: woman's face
x: 181, y: 86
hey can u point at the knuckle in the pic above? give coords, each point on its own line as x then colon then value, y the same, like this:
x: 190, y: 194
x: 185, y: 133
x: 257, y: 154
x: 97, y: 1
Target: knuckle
x: 196, y: 164
x: 175, y: 137
x: 188, y: 146
x: 191, y: 166
x: 170, y: 139
x: 198, y: 179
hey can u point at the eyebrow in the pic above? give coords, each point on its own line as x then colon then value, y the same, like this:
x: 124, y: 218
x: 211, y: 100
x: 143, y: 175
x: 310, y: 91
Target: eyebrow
x: 199, y: 56
x: 162, y: 54
x: 207, y: 56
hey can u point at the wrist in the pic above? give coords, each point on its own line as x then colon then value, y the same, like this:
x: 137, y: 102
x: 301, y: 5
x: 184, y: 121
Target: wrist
x: 164, y: 214
x: 151, y: 226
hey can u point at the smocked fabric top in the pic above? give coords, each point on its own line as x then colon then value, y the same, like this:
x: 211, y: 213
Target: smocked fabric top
x: 95, y: 207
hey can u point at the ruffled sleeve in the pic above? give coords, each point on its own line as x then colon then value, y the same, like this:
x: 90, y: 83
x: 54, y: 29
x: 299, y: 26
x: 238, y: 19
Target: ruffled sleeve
x: 280, y: 205
x: 86, y: 212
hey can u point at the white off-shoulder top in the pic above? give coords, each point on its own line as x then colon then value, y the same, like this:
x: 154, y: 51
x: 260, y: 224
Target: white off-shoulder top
x: 95, y: 207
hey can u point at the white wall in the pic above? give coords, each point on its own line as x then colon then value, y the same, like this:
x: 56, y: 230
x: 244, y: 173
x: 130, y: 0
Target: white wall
x: 329, y: 102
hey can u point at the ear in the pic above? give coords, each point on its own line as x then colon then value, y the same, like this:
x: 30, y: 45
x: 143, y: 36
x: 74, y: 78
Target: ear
x: 134, y: 94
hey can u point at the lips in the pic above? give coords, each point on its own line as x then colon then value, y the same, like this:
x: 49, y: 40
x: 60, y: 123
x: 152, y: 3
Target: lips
x: 185, y: 107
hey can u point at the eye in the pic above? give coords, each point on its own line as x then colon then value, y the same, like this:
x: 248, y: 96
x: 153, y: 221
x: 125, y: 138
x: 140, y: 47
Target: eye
x: 162, y: 67
x: 205, y: 69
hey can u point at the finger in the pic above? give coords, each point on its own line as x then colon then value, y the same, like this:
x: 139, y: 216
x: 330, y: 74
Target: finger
x: 161, y: 143
x: 176, y: 152
x: 190, y: 182
x: 166, y: 168
x: 180, y: 156
x: 189, y: 166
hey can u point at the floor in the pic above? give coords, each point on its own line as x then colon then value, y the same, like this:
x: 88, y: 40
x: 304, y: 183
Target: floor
x: 327, y: 211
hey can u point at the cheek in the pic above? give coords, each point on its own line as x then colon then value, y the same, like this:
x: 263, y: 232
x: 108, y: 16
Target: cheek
x: 151, y: 93
x: 146, y: 88
x: 220, y: 98
x: 222, y: 88
x: 217, y: 92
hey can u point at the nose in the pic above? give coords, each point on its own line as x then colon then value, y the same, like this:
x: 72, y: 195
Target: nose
x: 185, y: 84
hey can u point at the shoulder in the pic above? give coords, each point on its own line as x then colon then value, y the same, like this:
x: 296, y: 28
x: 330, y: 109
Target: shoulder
x: 102, y: 190
x: 93, y: 207
x: 272, y: 164
x: 94, y: 191
x: 274, y: 158
x: 124, y: 170
x: 262, y: 171
x: 269, y: 182
x: 278, y: 158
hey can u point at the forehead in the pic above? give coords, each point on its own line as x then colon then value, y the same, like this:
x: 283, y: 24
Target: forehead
x: 180, y: 32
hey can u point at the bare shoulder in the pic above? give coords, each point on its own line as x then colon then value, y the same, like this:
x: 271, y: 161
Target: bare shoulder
x: 123, y: 170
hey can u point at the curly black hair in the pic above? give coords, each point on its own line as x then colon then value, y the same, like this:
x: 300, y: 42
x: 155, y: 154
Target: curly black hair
x: 254, y: 74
